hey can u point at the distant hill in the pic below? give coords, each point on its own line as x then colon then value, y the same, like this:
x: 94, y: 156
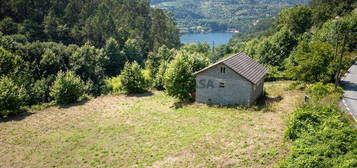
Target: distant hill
x: 223, y: 15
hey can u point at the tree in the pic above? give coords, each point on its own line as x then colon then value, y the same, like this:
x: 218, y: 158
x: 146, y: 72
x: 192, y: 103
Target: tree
x: 8, y: 26
x: 89, y: 63
x: 50, y: 24
x: 115, y: 56
x: 133, y: 51
x: 132, y: 79
x: 312, y: 62
x: 179, y: 79
x: 67, y: 88
x: 163, y: 30
x: 324, y: 10
x: 160, y: 75
x: 9, y: 63
x: 273, y: 50
x: 155, y: 59
x: 12, y: 97
x: 297, y: 19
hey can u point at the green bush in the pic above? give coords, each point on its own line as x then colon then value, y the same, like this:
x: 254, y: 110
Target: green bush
x: 148, y: 78
x: 39, y: 91
x: 312, y: 62
x: 113, y: 85
x: 319, y: 90
x: 179, y: 79
x: 160, y: 76
x: 67, y: 88
x: 132, y: 79
x: 321, y: 135
x: 275, y: 74
x: 297, y: 85
x: 10, y: 64
x: 12, y: 97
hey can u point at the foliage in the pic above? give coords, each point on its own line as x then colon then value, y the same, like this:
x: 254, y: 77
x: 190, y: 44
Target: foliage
x: 297, y: 19
x: 155, y: 59
x: 9, y: 63
x: 312, y: 62
x: 116, y: 58
x: 89, y: 63
x: 320, y: 90
x: 132, y: 79
x: 77, y: 22
x: 324, y: 10
x: 67, y: 88
x: 335, y: 30
x: 274, y: 74
x: 39, y: 91
x: 160, y: 76
x: 12, y: 97
x: 275, y: 49
x: 321, y: 136
x: 113, y: 85
x: 179, y: 79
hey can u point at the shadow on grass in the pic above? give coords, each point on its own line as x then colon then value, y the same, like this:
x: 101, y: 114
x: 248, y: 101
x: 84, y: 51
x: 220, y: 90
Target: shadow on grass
x: 16, y: 117
x: 264, y: 102
x: 181, y: 104
x: 146, y: 94
x: 73, y: 104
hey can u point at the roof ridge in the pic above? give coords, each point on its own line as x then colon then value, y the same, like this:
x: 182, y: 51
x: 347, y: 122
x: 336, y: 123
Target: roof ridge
x: 243, y: 65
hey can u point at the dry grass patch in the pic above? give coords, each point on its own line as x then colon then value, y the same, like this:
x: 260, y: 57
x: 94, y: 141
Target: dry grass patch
x: 121, y: 131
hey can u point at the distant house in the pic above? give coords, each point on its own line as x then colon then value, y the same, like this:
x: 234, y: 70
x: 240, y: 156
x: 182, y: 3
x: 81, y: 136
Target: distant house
x: 236, y: 80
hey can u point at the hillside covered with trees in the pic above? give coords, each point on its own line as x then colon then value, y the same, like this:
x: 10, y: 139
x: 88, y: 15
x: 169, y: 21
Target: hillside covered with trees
x: 223, y: 15
x: 51, y: 46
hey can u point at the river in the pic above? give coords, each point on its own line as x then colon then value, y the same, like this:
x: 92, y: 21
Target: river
x: 213, y: 38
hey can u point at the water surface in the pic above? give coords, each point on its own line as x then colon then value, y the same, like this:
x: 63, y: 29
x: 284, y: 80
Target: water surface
x: 214, y: 38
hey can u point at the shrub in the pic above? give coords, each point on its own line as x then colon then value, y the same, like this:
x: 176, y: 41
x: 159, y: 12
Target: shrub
x: 298, y: 85
x: 179, y: 79
x: 312, y: 62
x: 160, y: 76
x: 275, y: 74
x: 322, y: 137
x: 113, y: 85
x: 9, y: 63
x: 39, y: 91
x: 132, y: 79
x: 90, y: 62
x: 12, y: 97
x: 319, y: 90
x: 67, y: 88
x: 148, y: 78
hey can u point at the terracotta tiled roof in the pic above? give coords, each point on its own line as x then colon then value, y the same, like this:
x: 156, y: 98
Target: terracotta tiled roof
x: 243, y: 65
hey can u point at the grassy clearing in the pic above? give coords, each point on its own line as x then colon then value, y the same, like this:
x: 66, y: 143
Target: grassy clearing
x: 147, y: 131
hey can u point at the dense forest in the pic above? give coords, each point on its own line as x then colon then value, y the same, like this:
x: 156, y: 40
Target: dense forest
x: 42, y: 39
x: 223, y: 15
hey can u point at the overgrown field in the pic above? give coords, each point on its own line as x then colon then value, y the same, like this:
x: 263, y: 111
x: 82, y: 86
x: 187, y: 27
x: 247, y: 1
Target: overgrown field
x: 150, y: 131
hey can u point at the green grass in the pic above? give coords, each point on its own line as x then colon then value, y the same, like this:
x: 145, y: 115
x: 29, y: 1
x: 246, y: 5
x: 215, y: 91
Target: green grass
x: 147, y: 131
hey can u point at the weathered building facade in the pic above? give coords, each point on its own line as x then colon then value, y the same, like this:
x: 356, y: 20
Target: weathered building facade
x: 236, y: 80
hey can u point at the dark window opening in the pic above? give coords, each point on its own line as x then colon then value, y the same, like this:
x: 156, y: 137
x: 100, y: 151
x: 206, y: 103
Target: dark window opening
x: 223, y: 69
x: 221, y: 85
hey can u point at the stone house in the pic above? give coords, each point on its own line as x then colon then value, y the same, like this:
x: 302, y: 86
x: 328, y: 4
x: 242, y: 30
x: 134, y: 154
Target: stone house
x: 236, y: 80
